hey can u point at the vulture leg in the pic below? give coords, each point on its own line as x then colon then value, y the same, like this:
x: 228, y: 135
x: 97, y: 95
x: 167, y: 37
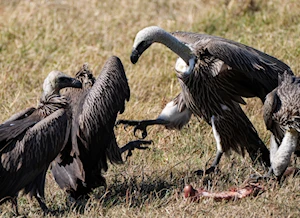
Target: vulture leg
x: 219, y: 151
x: 42, y: 204
x: 213, y: 165
x: 134, y: 145
x: 142, y: 125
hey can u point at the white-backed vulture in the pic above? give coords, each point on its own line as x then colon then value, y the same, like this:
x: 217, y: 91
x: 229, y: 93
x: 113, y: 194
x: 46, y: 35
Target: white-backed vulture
x: 282, y: 118
x: 31, y: 139
x: 214, y: 74
x: 78, y: 169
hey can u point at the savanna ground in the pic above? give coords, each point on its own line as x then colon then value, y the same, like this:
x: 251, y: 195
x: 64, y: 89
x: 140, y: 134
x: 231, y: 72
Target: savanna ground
x: 39, y: 36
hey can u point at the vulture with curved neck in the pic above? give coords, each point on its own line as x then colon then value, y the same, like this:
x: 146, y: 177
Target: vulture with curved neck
x: 92, y: 143
x: 214, y: 74
x: 31, y: 139
x: 282, y: 118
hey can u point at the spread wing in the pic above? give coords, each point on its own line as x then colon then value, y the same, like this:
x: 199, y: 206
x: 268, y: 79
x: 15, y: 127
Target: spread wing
x: 100, y: 108
x: 238, y: 69
x: 23, y: 160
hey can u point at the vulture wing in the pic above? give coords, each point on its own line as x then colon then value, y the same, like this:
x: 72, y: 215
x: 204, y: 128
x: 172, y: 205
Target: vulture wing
x: 239, y: 69
x: 20, y: 115
x: 100, y: 108
x: 24, y: 160
x: 14, y: 128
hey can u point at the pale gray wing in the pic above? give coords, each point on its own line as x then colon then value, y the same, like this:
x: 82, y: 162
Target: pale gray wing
x: 100, y: 108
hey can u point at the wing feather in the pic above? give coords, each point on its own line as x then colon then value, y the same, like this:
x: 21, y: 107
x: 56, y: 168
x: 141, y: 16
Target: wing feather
x: 40, y: 144
x: 20, y: 115
x: 24, y: 160
x: 238, y: 69
x: 105, y: 100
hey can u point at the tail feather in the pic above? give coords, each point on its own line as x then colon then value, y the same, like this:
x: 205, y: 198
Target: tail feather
x: 66, y: 175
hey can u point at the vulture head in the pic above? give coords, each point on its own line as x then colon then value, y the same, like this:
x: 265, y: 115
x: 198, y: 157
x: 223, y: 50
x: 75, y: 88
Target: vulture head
x: 56, y: 80
x: 149, y: 35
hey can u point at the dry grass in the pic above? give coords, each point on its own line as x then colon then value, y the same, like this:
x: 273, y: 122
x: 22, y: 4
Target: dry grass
x: 39, y: 36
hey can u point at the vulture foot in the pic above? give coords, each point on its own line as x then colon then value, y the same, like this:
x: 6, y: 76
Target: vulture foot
x: 257, y: 178
x: 135, y: 145
x: 43, y: 206
x: 212, y: 169
x: 290, y: 171
x: 139, y: 125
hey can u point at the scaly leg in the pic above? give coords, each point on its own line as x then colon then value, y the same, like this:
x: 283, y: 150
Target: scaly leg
x: 219, y: 151
x: 42, y: 204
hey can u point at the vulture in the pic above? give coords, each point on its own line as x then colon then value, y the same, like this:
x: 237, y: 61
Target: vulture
x: 214, y: 74
x: 282, y: 118
x: 92, y: 143
x: 31, y: 139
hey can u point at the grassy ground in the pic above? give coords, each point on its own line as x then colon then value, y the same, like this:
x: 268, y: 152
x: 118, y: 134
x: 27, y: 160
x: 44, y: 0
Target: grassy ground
x: 39, y: 36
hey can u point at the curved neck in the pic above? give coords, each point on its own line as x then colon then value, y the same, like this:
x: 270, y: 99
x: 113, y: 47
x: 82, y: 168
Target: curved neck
x: 49, y: 92
x: 152, y: 34
x: 181, y: 49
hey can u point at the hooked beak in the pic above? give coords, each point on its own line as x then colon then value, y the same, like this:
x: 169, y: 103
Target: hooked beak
x: 76, y: 83
x: 134, y: 57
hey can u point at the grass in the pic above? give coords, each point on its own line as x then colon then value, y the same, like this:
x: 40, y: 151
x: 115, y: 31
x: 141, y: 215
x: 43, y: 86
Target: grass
x: 39, y: 36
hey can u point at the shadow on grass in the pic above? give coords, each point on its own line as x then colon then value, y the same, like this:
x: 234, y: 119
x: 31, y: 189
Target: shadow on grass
x: 131, y: 193
x: 135, y: 193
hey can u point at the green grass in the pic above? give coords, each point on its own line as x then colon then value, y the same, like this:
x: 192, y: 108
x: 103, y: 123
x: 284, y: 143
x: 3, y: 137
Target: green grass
x: 39, y: 36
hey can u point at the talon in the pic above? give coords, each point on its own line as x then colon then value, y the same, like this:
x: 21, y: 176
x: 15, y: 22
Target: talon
x: 125, y: 127
x: 144, y: 134
x: 129, y: 154
x: 199, y: 172
x: 134, y: 131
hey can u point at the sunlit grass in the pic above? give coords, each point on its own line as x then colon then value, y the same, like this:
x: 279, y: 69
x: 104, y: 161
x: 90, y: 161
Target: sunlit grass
x: 39, y: 36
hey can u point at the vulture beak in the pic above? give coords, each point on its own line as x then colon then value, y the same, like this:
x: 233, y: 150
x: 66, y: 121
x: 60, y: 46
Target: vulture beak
x: 66, y: 81
x: 138, y: 50
x: 76, y: 83
x: 134, y: 57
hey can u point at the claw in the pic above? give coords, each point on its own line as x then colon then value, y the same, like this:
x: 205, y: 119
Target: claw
x: 139, y: 125
x: 143, y: 129
x: 125, y: 127
x: 135, y: 145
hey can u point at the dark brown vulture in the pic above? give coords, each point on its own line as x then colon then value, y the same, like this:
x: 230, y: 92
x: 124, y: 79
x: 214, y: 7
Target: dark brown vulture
x: 282, y: 118
x: 78, y: 169
x: 31, y: 140
x: 214, y: 74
